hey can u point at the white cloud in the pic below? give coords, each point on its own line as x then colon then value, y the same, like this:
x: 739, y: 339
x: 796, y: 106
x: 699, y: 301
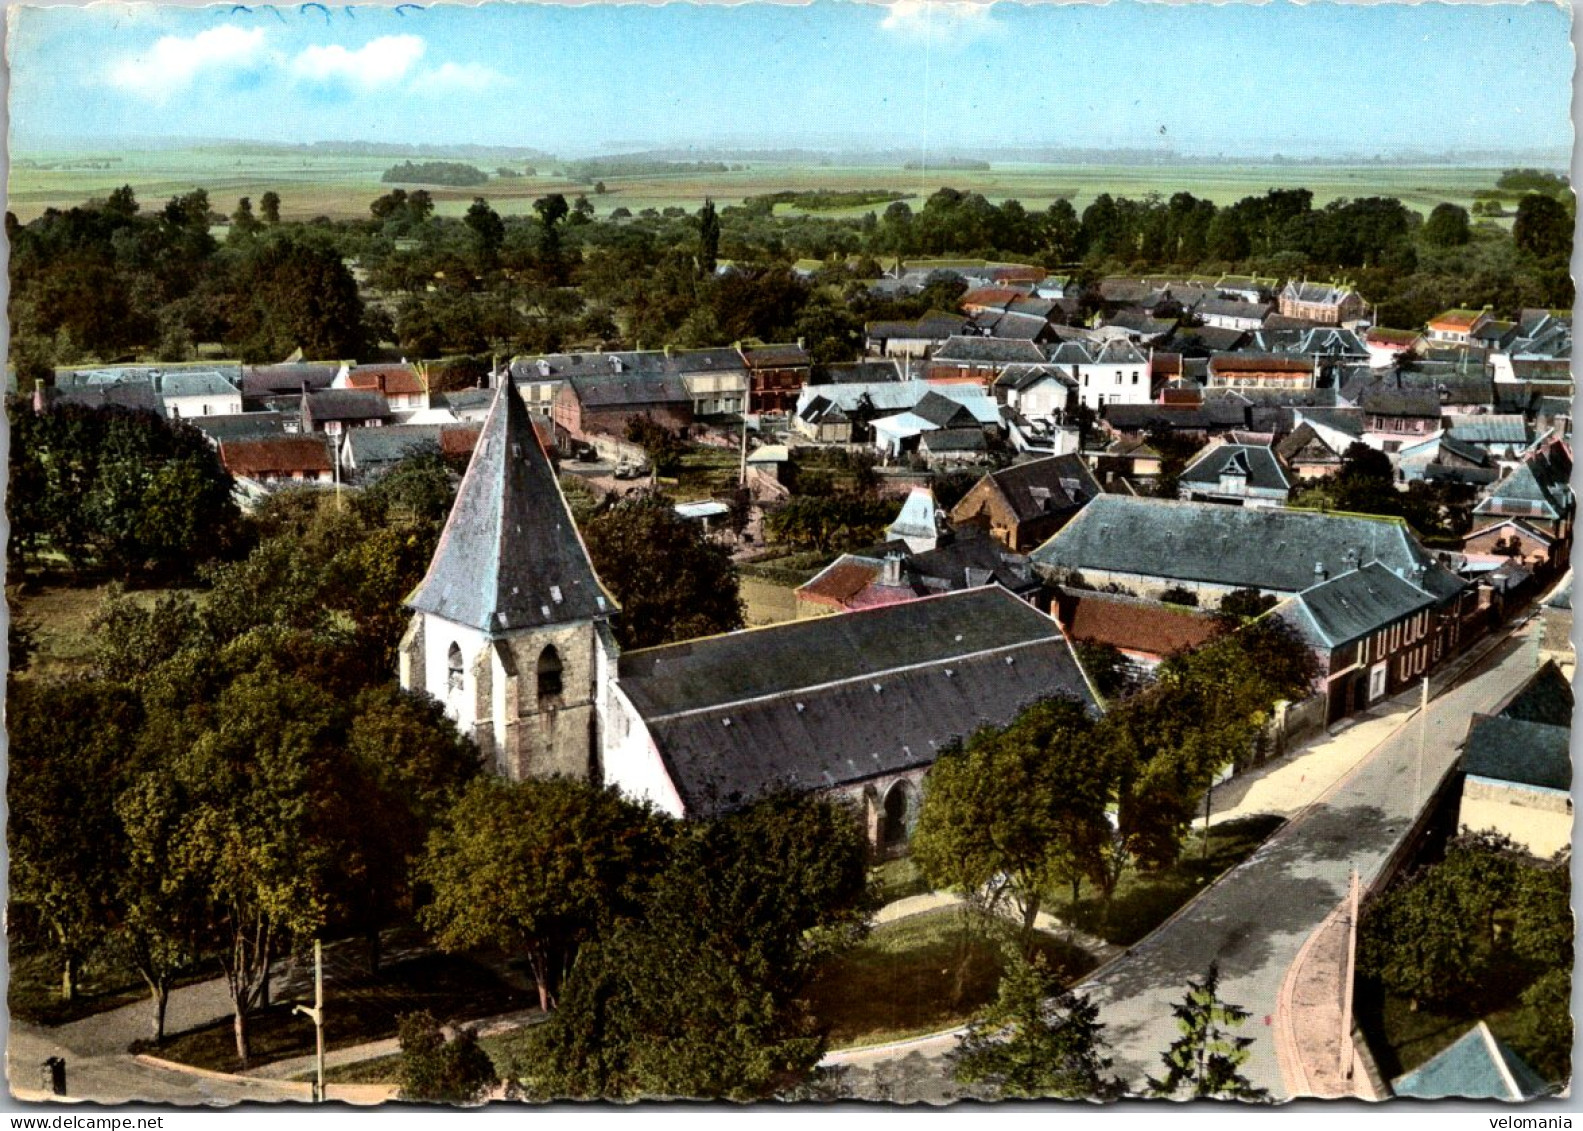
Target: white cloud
x: 173, y: 64
x: 380, y: 62
x: 943, y: 22
x: 459, y: 78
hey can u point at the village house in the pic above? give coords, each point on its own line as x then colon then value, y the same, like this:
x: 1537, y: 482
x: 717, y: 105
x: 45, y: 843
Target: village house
x: 334, y: 411
x: 1516, y: 766
x: 1329, y: 304
x: 1149, y: 545
x: 510, y: 632
x: 406, y: 387
x: 1456, y: 327
x: 240, y: 426
x: 909, y: 340
x: 1308, y: 454
x: 1232, y: 314
x: 889, y: 575
x: 604, y: 403
x: 844, y: 411
x: 1393, y: 417
x: 1109, y: 373
x: 716, y: 380
x: 1023, y: 505
x: 261, y: 383
x: 188, y: 393
x: 1253, y: 371
x: 776, y: 374
x: 1146, y: 632
x: 1538, y: 491
x: 1386, y: 347
x: 1037, y: 391
x: 280, y: 459
x: 933, y: 414
x: 1240, y: 474
x: 1374, y: 632
x: 1505, y: 436
x: 971, y: 359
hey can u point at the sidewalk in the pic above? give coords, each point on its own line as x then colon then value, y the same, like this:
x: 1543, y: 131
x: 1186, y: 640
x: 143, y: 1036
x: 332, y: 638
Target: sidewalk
x: 1045, y: 922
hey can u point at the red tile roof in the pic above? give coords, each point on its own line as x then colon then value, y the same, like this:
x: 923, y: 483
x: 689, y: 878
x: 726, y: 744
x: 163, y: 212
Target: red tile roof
x: 1242, y: 363
x: 276, y: 455
x: 991, y: 296
x: 1133, y: 625
x: 392, y: 380
x: 839, y: 583
x: 460, y: 440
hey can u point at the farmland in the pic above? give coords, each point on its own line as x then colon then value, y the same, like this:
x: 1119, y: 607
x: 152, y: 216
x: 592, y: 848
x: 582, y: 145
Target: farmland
x: 340, y: 186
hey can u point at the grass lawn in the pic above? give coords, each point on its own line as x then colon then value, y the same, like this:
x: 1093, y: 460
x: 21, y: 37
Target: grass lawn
x: 356, y: 1011
x: 33, y: 993
x: 899, y: 879
x: 61, y: 616
x: 1144, y: 900
x: 502, y: 1049
x: 919, y: 975
x: 1402, y: 1038
x: 767, y: 603
x: 788, y: 570
x: 707, y: 473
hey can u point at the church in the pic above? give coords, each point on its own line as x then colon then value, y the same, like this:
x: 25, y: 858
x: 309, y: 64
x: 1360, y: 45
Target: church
x: 511, y: 632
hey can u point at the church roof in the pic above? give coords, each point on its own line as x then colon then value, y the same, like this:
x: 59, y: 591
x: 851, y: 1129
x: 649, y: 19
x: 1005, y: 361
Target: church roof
x: 510, y: 556
x: 835, y: 700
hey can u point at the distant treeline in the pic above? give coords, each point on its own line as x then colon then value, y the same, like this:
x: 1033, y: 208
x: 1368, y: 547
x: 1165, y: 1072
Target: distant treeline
x: 435, y: 173
x: 586, y: 172
x: 823, y: 200
x: 964, y: 163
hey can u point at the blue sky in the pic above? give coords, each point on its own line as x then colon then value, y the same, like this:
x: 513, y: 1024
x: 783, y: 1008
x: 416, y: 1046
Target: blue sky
x: 1240, y: 79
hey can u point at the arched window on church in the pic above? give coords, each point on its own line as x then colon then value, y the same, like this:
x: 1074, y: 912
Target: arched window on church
x: 549, y: 672
x: 453, y: 668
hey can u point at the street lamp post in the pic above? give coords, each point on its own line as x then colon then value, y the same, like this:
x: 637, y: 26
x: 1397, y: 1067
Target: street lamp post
x: 316, y: 1013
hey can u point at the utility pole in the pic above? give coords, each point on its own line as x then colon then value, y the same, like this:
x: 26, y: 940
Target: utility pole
x: 1208, y: 793
x: 317, y: 1014
x: 1346, y: 982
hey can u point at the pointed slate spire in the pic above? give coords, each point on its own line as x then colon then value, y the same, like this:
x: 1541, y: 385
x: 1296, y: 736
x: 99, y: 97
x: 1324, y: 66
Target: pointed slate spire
x: 510, y: 556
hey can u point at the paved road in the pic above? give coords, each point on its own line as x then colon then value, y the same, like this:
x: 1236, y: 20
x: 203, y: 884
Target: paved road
x: 1255, y: 920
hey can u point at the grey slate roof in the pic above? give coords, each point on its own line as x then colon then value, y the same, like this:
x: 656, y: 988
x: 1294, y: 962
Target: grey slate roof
x: 993, y: 351
x: 1539, y: 487
x: 510, y: 556
x: 195, y: 383
x: 347, y: 404
x: 1356, y: 604
x: 1233, y: 308
x: 1545, y: 698
x: 1018, y: 376
x: 1520, y: 752
x: 274, y: 380
x: 1385, y: 401
x: 375, y: 448
x: 1257, y: 464
x: 1255, y: 547
x: 1494, y: 429
x: 1210, y: 339
x: 1046, y: 486
x: 954, y: 440
x: 943, y: 412
x: 239, y: 426
x: 604, y: 390
x: 840, y: 699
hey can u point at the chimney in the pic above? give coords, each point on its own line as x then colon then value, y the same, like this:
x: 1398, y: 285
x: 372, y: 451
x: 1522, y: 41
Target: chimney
x: 1320, y: 572
x: 890, y: 572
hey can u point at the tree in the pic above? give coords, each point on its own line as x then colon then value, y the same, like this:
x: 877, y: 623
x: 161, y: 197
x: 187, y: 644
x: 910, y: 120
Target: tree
x: 70, y: 744
x: 1447, y: 226
x: 1179, y: 595
x: 437, y: 1070
x: 1245, y: 604
x: 1107, y: 666
x: 701, y: 992
x: 489, y: 231
x: 1014, y: 810
x: 671, y: 582
x: 1543, y: 227
x: 246, y: 822
x: 1038, y: 1039
x: 292, y: 295
x: 269, y: 207
x: 1205, y: 1061
x: 243, y: 222
x: 536, y: 868
x: 708, y: 238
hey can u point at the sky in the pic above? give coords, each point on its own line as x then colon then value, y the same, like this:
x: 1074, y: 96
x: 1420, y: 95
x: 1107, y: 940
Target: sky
x: 1238, y: 79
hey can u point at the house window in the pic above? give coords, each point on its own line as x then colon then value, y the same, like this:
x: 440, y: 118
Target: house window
x: 453, y: 668
x: 549, y: 671
x: 1134, y: 376
x: 1118, y: 376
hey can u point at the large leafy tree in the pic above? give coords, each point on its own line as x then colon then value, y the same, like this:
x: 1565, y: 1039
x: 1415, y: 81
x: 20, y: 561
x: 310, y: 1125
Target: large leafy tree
x: 671, y: 582
x: 1015, y: 809
x: 536, y: 868
x: 292, y: 295
x: 1206, y: 1061
x: 439, y: 1070
x: 1038, y: 1039
x: 116, y: 489
x: 70, y: 746
x: 701, y: 993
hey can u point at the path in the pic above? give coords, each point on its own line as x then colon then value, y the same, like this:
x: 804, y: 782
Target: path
x: 1257, y: 917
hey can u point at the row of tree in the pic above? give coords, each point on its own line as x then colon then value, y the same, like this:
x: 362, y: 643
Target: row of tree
x: 1059, y: 797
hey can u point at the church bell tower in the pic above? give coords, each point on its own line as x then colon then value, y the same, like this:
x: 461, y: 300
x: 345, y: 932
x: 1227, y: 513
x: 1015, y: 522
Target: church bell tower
x: 508, y: 624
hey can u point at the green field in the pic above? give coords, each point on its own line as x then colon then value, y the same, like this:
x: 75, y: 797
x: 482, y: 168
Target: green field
x: 341, y: 186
